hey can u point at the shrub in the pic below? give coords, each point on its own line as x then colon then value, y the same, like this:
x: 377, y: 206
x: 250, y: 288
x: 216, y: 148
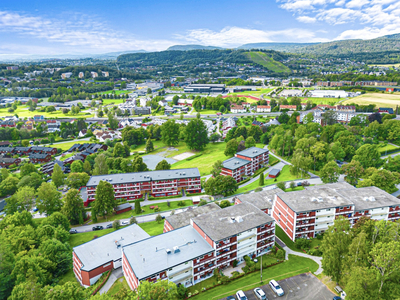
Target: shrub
x: 132, y: 220
x: 280, y: 254
x: 235, y: 263
x: 225, y: 279
x: 259, y: 189
x: 95, y: 237
x: 181, y: 203
x: 320, y: 236
x: 116, y: 224
x: 303, y: 244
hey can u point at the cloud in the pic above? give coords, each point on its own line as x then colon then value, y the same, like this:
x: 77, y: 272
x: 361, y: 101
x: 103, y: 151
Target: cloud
x: 234, y: 36
x: 306, y: 19
x: 356, y: 3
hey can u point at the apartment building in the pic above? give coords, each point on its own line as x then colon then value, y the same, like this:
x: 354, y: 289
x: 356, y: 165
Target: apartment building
x: 263, y: 200
x: 227, y: 125
x: 306, y: 213
x: 245, y: 163
x: 131, y: 186
x: 204, y: 88
x: 237, y: 109
x: 346, y: 108
x: 190, y: 254
x: 263, y: 108
x: 289, y: 107
x: 93, y: 258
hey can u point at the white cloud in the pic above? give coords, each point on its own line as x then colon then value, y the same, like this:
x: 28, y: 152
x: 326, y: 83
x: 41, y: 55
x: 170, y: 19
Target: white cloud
x: 306, y: 19
x: 356, y: 3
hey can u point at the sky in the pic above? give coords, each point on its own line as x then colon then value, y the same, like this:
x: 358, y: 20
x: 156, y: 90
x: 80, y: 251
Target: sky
x: 44, y: 27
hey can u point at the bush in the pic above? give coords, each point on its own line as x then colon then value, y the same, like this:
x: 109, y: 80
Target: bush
x: 315, y: 252
x: 235, y: 263
x: 132, y: 220
x: 116, y: 224
x: 303, y: 244
x: 259, y: 189
x: 280, y: 254
x: 202, y: 202
x: 320, y: 236
x: 181, y: 203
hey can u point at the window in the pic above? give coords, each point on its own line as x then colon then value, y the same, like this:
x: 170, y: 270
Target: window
x: 279, y: 214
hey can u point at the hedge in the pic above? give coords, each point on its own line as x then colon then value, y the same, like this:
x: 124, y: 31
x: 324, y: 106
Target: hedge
x: 259, y: 171
x: 194, y: 156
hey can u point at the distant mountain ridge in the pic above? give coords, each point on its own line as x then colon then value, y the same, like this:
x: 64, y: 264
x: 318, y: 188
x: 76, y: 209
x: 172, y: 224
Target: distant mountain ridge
x: 275, y: 46
x: 192, y: 47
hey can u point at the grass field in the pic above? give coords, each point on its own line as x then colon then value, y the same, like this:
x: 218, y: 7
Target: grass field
x: 117, y: 286
x: 206, y: 112
x: 380, y: 100
x: 386, y: 65
x: 328, y: 101
x: 283, y: 176
x: 66, y: 146
x: 110, y: 101
x: 22, y: 112
x: 266, y: 61
x: 162, y: 206
x: 388, y: 147
x: 294, y: 266
x: 256, y: 93
x: 116, y: 92
x: 152, y: 228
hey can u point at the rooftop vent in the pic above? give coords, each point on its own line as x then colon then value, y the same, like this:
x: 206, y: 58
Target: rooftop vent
x: 313, y: 199
x: 372, y: 198
x: 176, y: 249
x: 239, y: 219
x: 168, y: 251
x: 366, y: 198
x: 320, y: 199
x: 232, y: 220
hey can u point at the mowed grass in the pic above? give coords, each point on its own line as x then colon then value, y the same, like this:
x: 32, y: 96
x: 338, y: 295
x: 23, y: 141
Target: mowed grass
x: 116, y: 92
x: 379, y: 99
x: 327, y: 101
x: 22, y: 111
x: 263, y: 59
x: 285, y: 175
x: 112, y: 101
x: 66, y: 146
x: 294, y: 266
x: 212, y: 153
x: 117, y: 286
x: 84, y: 237
x: 256, y: 93
x: 152, y: 228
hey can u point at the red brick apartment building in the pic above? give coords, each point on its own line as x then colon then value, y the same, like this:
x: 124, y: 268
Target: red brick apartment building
x: 309, y: 212
x: 93, y: 258
x: 245, y: 163
x: 131, y: 186
x: 189, y: 254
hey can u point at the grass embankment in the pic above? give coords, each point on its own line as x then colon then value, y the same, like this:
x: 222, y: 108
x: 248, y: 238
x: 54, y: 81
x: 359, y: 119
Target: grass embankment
x: 285, y: 175
x: 294, y: 266
x: 284, y: 238
x: 146, y: 210
x: 379, y: 99
x: 117, y: 286
x: 263, y: 59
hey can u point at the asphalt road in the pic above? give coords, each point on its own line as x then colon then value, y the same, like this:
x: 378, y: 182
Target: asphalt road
x: 300, y: 287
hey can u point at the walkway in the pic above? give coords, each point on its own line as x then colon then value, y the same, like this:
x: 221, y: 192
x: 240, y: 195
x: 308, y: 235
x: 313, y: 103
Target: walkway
x: 288, y: 251
x: 115, y: 274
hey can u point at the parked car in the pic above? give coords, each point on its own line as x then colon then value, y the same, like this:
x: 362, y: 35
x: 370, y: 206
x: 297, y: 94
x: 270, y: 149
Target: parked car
x: 260, y: 294
x: 73, y: 231
x: 125, y: 223
x: 35, y: 209
x: 276, y: 288
x: 337, y: 298
x: 98, y: 227
x: 240, y: 295
x: 109, y: 226
x: 230, y: 298
x: 299, y: 184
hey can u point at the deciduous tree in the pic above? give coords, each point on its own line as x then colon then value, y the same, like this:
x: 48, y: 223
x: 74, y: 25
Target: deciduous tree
x: 73, y: 207
x: 104, y: 200
x: 77, y: 166
x: 231, y: 148
x: 163, y: 165
x: 330, y: 172
x: 353, y: 171
x: 100, y: 165
x: 77, y: 180
x: 196, y: 136
x: 170, y: 133
x: 49, y: 199
x: 58, y: 176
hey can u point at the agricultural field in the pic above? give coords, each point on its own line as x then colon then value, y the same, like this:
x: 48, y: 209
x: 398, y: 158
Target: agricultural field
x: 387, y: 65
x: 380, y: 100
x: 267, y: 62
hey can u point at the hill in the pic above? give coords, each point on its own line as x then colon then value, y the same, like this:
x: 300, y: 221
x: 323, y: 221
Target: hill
x: 287, y: 47
x: 270, y: 60
x: 191, y: 47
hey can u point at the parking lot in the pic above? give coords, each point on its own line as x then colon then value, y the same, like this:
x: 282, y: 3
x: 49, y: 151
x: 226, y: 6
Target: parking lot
x: 300, y: 287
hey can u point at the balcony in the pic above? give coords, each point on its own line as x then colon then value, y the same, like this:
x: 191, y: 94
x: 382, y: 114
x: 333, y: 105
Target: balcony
x: 203, y: 261
x: 304, y: 217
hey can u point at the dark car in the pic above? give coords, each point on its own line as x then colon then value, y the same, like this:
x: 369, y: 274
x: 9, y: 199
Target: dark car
x: 337, y: 298
x: 230, y: 298
x: 109, y: 226
x: 98, y: 227
x: 73, y: 231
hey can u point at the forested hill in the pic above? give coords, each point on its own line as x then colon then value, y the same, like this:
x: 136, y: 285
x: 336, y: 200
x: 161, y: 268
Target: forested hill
x: 192, y: 47
x: 193, y: 58
x: 388, y: 43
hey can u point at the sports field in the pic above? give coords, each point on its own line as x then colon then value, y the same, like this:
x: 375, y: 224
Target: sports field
x: 380, y: 100
x: 256, y: 93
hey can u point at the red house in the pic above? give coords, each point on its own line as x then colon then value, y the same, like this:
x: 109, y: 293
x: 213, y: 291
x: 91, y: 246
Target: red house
x: 123, y: 208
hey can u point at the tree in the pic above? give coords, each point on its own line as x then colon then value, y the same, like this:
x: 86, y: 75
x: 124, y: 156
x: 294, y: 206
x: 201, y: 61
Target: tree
x: 138, y: 209
x: 26, y: 198
x: 224, y: 204
x: 283, y: 118
x: 58, y: 175
x: 132, y: 220
x: 170, y: 133
x: 300, y: 164
x: 329, y: 117
x: 149, y: 146
x: 162, y: 289
x: 309, y: 118
x: 292, y: 185
x: 4, y: 174
x: 163, y: 165
x: 281, y: 185
x: 330, y: 172
x: 216, y: 168
x: 335, y: 246
x: 159, y: 218
x: 196, y: 136
x: 77, y: 180
x: 73, y: 207
x: 214, y: 137
x: 27, y: 169
x: 353, y: 171
x: 104, y: 200
x: 250, y: 142
x: 67, y: 291
x: 231, y: 148
x: 33, y: 180
x: 9, y: 186
x: 116, y: 224
x: 77, y: 166
x: 49, y: 199
x: 368, y: 156
x: 261, y: 180
x: 337, y: 150
x: 202, y: 202
x: 100, y: 165
x: 138, y: 165
x: 87, y: 168
x: 220, y: 185
x: 112, y: 121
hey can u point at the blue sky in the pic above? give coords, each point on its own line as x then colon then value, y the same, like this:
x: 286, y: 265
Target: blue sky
x: 60, y: 27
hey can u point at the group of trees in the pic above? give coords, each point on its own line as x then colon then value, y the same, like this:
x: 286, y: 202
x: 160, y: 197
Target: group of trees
x: 220, y: 185
x: 364, y: 259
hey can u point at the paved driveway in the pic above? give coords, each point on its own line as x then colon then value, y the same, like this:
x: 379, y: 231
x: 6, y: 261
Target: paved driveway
x: 300, y: 287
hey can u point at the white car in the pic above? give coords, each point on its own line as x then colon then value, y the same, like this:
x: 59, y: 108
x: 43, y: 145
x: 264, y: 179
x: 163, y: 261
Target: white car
x: 276, y: 288
x: 240, y: 295
x: 260, y: 294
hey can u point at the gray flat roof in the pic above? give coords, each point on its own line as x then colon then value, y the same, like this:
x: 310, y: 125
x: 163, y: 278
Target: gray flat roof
x: 379, y: 197
x: 274, y: 172
x: 183, y: 219
x: 261, y: 200
x: 307, y: 200
x: 144, y: 176
x: 104, y: 249
x: 252, y: 152
x: 337, y: 186
x: 122, y: 206
x: 234, y: 163
x: 149, y: 256
x: 232, y: 220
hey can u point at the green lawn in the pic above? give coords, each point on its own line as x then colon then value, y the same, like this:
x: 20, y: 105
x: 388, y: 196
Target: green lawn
x: 207, y: 112
x: 285, y: 175
x: 81, y: 238
x: 328, y: 101
x: 162, y: 206
x: 294, y: 266
x: 263, y: 59
x: 112, y: 101
x: 382, y: 148
x: 284, y: 238
x: 66, y: 146
x: 66, y: 156
x: 69, y: 276
x: 116, y: 92
x: 22, y: 112
x: 256, y: 93
x: 152, y: 228
x: 117, y: 286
